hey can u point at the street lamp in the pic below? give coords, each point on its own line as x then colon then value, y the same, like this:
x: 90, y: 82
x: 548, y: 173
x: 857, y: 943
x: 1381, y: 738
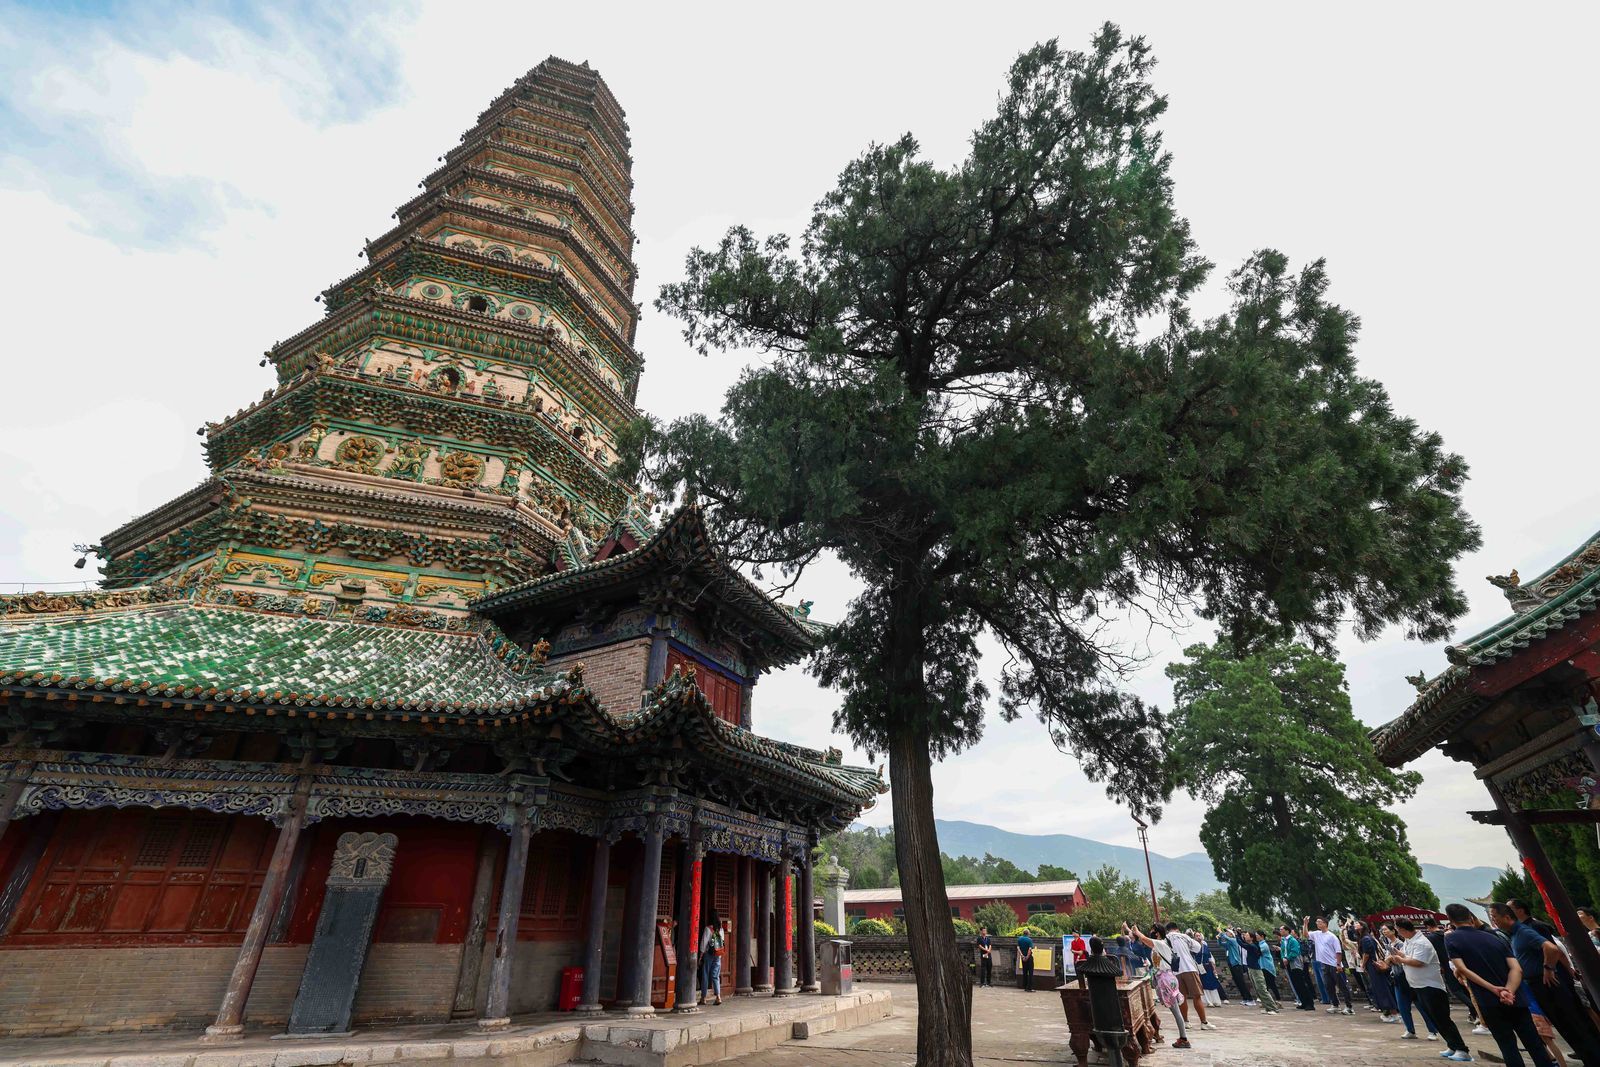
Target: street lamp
x: 1144, y: 840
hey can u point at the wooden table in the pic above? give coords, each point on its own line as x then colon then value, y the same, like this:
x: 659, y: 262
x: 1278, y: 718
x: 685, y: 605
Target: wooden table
x: 1139, y: 1018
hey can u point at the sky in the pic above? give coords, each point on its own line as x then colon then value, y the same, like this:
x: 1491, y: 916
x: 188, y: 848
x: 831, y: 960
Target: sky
x: 180, y: 181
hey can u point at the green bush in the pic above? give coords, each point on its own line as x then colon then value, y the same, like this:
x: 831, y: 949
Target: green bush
x: 871, y: 928
x: 998, y: 916
x: 823, y: 929
x: 964, y: 928
x: 1031, y: 930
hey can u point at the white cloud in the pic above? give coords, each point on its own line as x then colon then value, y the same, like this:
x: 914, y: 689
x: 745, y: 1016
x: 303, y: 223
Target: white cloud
x: 178, y: 190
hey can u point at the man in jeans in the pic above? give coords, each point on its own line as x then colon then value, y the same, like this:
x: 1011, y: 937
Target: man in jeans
x: 1550, y: 979
x: 1325, y: 950
x: 1485, y: 965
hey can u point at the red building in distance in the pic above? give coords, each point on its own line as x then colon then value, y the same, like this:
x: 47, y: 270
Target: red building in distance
x: 1025, y: 898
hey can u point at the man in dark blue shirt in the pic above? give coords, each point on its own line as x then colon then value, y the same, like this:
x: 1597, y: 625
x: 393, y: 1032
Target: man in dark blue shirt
x: 1482, y: 962
x: 1546, y: 970
x: 1025, y: 956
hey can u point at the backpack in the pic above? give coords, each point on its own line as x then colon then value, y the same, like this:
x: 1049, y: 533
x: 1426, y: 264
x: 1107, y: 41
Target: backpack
x: 715, y: 947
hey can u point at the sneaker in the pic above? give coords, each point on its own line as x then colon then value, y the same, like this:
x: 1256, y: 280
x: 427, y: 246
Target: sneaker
x: 1433, y: 1037
x: 1347, y: 1011
x: 1408, y: 1036
x: 1268, y: 1011
x: 1482, y: 1031
x: 1182, y: 1042
x: 1447, y: 1054
x: 1389, y: 1018
x: 1210, y: 1026
x: 1272, y: 1011
x: 1461, y: 1057
x: 1333, y: 1011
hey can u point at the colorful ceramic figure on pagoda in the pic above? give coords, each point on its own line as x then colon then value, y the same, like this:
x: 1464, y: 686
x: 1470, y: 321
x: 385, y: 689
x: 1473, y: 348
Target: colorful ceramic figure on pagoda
x: 413, y: 703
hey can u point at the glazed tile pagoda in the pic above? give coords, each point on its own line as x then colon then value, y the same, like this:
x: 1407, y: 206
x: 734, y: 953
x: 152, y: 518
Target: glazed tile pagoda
x: 413, y: 704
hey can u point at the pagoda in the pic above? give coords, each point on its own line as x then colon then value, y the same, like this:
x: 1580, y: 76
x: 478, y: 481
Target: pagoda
x: 414, y: 704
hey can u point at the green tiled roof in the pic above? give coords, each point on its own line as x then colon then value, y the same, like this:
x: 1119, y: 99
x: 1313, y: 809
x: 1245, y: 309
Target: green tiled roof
x: 682, y: 543
x: 218, y: 655
x: 1542, y: 607
x: 236, y: 655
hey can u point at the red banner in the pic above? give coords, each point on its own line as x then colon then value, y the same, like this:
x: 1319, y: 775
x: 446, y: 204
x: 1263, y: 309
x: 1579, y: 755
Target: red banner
x: 694, y: 908
x: 1549, y: 909
x: 1404, y: 911
x: 788, y: 913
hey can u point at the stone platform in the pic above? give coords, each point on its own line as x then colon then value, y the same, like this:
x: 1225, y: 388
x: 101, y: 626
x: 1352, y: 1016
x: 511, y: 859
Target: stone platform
x: 738, y: 1027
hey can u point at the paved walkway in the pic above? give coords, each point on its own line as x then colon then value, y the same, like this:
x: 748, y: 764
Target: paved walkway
x: 1011, y: 1027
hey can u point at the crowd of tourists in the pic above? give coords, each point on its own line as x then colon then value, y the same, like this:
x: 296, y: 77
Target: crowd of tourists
x: 1512, y: 977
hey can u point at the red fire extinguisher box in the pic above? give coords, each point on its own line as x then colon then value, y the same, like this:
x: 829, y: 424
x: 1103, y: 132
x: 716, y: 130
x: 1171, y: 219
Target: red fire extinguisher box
x: 571, y: 988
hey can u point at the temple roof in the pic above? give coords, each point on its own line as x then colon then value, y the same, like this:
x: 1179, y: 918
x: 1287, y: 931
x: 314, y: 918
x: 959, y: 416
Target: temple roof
x: 144, y: 644
x: 1541, y: 608
x: 682, y: 549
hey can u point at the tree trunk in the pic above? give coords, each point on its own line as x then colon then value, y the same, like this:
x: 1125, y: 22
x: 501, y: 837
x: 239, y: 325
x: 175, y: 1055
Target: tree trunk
x: 944, y: 1029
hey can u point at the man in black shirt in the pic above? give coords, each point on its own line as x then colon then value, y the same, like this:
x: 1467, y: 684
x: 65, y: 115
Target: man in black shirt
x: 1520, y: 909
x: 1435, y: 935
x: 1550, y: 980
x: 1483, y: 961
x: 985, y: 957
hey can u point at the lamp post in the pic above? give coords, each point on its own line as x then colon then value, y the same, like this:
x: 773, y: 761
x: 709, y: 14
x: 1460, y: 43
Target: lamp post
x: 1144, y: 840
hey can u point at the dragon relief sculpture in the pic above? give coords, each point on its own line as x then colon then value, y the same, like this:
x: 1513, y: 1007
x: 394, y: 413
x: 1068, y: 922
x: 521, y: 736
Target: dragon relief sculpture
x: 359, y: 453
x: 460, y: 469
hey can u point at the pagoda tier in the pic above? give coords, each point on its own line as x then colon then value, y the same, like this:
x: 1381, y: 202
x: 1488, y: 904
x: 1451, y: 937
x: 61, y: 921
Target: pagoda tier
x: 451, y: 426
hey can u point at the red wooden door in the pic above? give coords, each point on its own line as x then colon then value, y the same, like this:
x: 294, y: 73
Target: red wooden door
x: 725, y: 695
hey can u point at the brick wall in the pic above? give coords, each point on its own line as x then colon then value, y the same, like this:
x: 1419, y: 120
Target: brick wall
x: 535, y: 973
x: 614, y: 673
x: 52, y: 991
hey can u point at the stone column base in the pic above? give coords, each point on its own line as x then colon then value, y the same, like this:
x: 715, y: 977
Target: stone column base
x: 811, y: 987
x: 494, y: 1024
x: 761, y: 991
x: 588, y: 1009
x: 216, y: 1035
x: 640, y: 1011
x: 686, y: 1009
x: 791, y: 991
x: 745, y: 992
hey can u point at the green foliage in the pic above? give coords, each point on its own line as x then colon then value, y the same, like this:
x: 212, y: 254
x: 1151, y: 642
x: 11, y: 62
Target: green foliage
x: 1573, y: 851
x: 983, y: 389
x: 1297, y: 820
x: 964, y: 870
x: 871, y: 928
x: 1514, y: 883
x: 1050, y: 872
x: 868, y: 854
x: 998, y: 916
x: 1114, y: 898
x: 1215, y: 905
x: 1033, y: 931
x: 824, y: 929
x: 964, y: 928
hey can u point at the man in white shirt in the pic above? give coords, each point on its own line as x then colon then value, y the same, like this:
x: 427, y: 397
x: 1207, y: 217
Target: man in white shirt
x: 1326, y: 951
x: 1184, y: 948
x: 1421, y: 961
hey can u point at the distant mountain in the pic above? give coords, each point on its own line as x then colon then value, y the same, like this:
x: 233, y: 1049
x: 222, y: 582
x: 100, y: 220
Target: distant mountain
x: 1191, y: 872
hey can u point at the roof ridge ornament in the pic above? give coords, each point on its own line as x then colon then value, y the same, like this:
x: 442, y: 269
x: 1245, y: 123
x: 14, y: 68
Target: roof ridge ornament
x: 1522, y: 598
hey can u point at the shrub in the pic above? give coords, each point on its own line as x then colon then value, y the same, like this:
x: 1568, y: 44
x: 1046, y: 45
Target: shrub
x: 963, y: 927
x: 871, y: 928
x: 1031, y: 930
x: 998, y: 916
x: 823, y: 929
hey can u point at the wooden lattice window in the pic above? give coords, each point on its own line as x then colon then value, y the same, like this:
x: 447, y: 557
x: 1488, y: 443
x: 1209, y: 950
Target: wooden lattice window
x: 145, y: 876
x: 554, y: 889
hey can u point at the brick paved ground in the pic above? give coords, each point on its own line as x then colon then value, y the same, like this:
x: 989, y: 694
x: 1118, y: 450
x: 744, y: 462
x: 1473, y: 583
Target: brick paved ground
x: 1011, y: 1027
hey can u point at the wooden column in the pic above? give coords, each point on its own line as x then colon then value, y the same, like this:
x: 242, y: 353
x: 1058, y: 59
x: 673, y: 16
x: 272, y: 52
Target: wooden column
x: 1566, y: 916
x: 762, y: 982
x: 466, y: 998
x: 41, y: 828
x: 687, y: 913
x: 497, y: 1010
x: 595, y: 930
x: 643, y: 948
x: 744, y: 930
x: 229, y: 1025
x: 630, y: 932
x: 806, y: 930
x: 784, y: 978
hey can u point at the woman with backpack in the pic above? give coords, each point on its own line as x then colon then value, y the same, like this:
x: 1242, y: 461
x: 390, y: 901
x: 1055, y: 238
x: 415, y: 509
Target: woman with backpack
x: 711, y: 942
x: 1168, y: 991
